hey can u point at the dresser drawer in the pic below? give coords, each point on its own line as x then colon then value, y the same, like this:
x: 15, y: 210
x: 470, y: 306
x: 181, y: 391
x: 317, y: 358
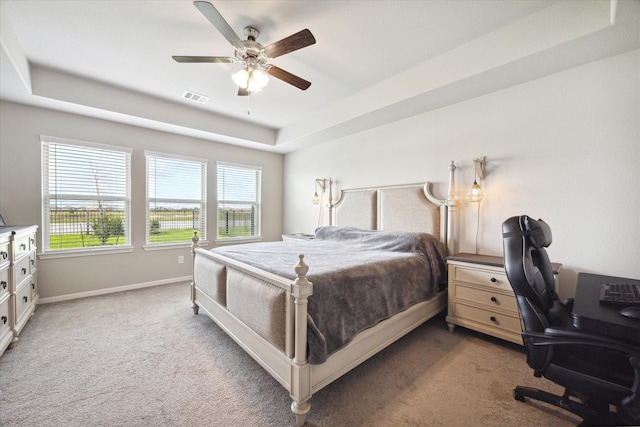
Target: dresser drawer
x: 21, y: 270
x: 493, y: 279
x: 24, y: 305
x: 32, y: 262
x: 34, y: 287
x: 4, y: 253
x: 4, y: 281
x: 487, y: 297
x: 6, y: 334
x: 21, y: 246
x: 507, y: 322
x: 4, y: 314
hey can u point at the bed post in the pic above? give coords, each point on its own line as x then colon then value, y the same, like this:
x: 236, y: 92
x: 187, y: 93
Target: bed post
x: 448, y: 213
x: 452, y: 213
x: 301, y: 370
x: 194, y: 246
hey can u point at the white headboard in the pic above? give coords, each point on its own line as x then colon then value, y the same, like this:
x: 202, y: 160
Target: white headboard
x: 409, y: 207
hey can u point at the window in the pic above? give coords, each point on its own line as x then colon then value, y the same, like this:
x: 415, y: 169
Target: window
x: 176, y: 198
x: 86, y: 195
x: 238, y: 201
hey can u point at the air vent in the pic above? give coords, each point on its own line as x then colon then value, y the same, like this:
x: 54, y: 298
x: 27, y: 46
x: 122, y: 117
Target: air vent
x: 195, y: 97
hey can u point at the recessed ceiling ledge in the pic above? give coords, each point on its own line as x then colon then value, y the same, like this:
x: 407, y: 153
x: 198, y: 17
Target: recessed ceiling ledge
x: 548, y: 29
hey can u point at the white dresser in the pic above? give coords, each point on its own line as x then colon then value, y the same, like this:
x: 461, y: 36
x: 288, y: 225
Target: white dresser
x: 481, y: 297
x: 18, y: 281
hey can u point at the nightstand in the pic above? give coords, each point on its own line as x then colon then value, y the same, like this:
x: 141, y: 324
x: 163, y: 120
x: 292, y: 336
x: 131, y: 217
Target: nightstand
x: 481, y: 298
x: 297, y: 236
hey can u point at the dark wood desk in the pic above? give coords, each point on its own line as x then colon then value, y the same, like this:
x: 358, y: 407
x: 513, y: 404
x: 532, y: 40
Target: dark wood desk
x: 589, y: 315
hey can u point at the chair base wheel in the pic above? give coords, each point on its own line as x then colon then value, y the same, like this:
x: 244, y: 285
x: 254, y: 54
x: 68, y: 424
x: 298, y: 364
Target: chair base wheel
x: 592, y: 413
x: 517, y: 395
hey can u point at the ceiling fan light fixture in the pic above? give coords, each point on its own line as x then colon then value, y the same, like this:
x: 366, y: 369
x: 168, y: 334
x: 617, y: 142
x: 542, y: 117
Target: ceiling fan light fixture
x: 241, y: 78
x: 253, y: 56
x: 253, y: 79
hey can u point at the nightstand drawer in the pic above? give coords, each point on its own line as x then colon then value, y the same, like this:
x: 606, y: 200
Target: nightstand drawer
x: 487, y: 317
x: 486, y: 297
x: 482, y: 277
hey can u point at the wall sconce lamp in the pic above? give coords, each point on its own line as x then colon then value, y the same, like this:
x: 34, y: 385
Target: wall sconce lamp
x: 475, y: 193
x: 322, y: 183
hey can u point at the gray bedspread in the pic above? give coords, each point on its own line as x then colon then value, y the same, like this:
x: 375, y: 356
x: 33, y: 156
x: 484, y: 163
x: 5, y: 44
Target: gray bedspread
x: 359, y: 277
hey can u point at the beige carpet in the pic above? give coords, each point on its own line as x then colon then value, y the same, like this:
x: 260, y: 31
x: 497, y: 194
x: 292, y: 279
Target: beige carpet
x: 141, y: 358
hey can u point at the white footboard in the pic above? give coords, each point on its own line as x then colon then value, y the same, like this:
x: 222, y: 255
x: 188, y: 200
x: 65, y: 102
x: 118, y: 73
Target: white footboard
x: 288, y: 364
x: 286, y: 359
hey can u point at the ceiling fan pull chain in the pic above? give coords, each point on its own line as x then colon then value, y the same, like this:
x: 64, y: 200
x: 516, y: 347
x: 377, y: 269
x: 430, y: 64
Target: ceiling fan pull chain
x: 248, y: 104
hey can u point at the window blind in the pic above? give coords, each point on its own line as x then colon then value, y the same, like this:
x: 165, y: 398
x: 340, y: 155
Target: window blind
x: 86, y: 194
x: 239, y: 200
x: 176, y: 198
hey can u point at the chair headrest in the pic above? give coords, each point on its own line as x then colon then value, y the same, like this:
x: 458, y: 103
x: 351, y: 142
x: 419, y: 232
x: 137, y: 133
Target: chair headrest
x: 538, y: 231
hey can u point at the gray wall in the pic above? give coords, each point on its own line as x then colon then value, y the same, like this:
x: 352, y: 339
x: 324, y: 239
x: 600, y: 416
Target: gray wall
x: 20, y: 196
x: 565, y: 148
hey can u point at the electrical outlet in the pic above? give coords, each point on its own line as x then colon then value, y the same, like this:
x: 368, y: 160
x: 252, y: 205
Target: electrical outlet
x: 180, y: 259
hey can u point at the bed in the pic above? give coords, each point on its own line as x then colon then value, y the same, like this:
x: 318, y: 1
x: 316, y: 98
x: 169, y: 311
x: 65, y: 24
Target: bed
x: 277, y: 310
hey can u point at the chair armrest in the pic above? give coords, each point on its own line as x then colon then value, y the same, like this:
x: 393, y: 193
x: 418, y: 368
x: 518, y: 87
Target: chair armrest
x: 559, y: 336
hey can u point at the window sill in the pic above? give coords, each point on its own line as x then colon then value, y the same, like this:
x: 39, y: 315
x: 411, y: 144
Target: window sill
x: 165, y: 246
x: 235, y: 240
x: 70, y: 253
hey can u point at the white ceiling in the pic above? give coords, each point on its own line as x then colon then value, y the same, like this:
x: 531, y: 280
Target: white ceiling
x: 374, y: 61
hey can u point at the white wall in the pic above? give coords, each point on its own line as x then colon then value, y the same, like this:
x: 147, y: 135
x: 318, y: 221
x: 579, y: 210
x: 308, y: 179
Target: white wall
x: 20, y: 195
x: 564, y: 148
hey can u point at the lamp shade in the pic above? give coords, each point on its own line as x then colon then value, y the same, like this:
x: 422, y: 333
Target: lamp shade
x: 252, y: 79
x: 241, y: 78
x: 475, y: 194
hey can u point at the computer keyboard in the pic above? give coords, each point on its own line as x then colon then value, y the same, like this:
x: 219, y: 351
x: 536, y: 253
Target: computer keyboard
x: 620, y: 294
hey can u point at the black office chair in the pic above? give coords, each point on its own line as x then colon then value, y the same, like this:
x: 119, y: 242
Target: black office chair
x: 596, y: 371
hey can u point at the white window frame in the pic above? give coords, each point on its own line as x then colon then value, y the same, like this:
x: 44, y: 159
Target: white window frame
x: 47, y: 196
x: 202, y: 201
x: 220, y: 202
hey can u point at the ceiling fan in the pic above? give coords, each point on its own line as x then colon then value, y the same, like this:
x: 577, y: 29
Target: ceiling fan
x: 251, y: 54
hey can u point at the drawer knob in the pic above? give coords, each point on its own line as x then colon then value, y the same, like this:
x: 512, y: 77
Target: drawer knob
x: 5, y: 255
x: 33, y: 286
x: 25, y: 299
x: 4, y: 284
x: 23, y: 247
x: 24, y: 270
x: 493, y: 319
x: 494, y: 299
x: 494, y: 280
x: 4, y: 320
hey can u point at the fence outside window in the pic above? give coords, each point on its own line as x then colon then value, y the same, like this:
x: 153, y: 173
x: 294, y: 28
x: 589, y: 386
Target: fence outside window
x: 78, y: 228
x: 240, y: 222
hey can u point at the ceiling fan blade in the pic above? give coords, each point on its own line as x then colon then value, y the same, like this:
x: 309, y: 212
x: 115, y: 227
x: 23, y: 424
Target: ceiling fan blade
x: 212, y: 14
x: 243, y: 92
x: 289, y: 44
x: 214, y: 59
x: 287, y: 77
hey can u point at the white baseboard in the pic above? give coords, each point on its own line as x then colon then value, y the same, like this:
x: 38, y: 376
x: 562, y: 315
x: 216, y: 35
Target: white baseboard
x: 115, y: 289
